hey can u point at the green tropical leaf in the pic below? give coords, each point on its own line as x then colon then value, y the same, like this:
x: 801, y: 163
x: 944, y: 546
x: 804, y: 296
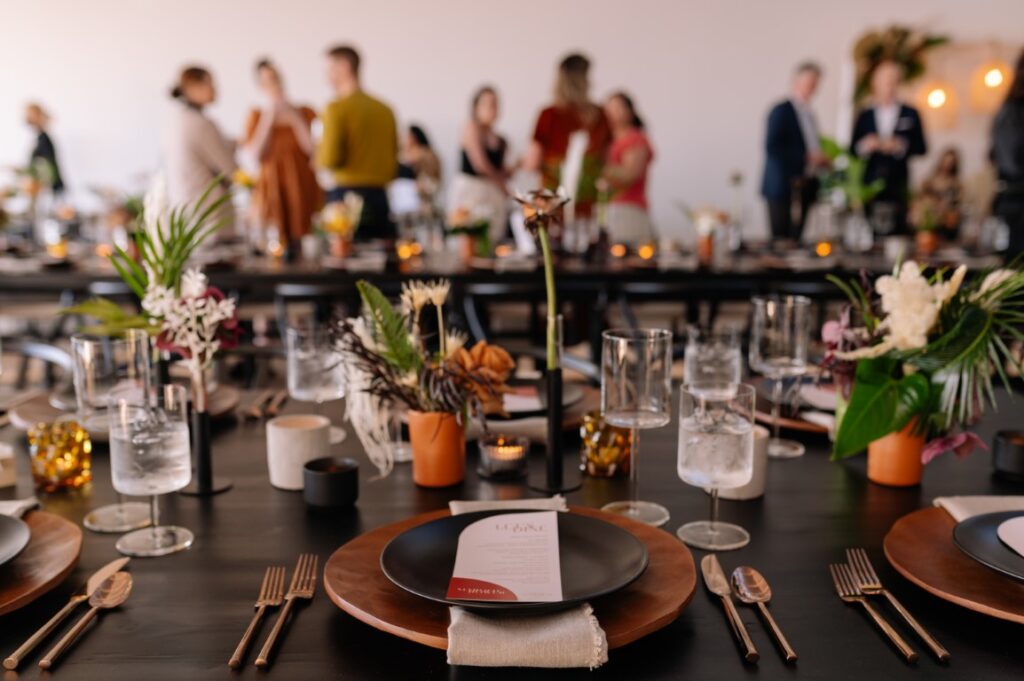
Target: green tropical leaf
x: 389, y: 329
x: 879, y: 404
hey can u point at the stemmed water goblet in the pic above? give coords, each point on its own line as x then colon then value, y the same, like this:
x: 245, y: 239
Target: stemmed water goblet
x: 779, y: 335
x: 316, y: 371
x: 716, y: 450
x: 636, y: 393
x: 150, y: 455
x: 712, y: 357
x: 102, y: 366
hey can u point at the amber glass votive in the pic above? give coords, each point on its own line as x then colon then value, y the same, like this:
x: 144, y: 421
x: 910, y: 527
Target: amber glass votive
x: 503, y: 456
x: 605, y: 450
x: 61, y: 455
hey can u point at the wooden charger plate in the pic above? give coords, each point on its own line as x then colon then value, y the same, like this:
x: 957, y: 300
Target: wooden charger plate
x: 48, y: 558
x: 920, y: 546
x: 354, y: 581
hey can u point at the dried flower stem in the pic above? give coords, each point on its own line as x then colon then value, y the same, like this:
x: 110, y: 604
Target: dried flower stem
x: 549, y: 283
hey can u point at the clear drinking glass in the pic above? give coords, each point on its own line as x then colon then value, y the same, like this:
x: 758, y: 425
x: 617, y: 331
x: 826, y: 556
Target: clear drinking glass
x: 103, y: 366
x: 712, y: 358
x: 150, y: 455
x: 636, y: 393
x: 779, y: 335
x: 716, y: 450
x: 316, y: 372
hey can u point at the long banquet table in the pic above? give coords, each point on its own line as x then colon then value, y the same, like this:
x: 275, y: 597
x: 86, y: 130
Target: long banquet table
x: 188, y: 610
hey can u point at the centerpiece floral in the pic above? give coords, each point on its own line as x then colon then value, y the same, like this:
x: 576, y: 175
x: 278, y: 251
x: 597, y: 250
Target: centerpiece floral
x: 915, y: 357
x: 389, y: 367
x: 340, y: 220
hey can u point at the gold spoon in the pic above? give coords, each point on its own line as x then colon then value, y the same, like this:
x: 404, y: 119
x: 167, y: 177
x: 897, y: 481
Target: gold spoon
x: 111, y: 594
x: 751, y: 587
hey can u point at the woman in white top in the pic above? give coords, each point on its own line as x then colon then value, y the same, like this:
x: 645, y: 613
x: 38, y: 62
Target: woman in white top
x: 194, y: 150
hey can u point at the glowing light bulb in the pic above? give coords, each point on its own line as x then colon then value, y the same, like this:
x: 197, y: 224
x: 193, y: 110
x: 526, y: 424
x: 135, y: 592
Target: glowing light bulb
x: 823, y: 249
x: 936, y: 98
x: 993, y: 77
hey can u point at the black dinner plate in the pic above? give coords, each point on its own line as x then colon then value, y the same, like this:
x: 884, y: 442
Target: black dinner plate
x: 597, y: 558
x: 14, y: 535
x: 978, y: 538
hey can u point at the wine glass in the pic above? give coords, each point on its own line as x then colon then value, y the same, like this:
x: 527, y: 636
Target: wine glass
x: 150, y: 455
x: 636, y: 391
x: 778, y: 350
x: 316, y: 372
x: 102, y: 366
x: 716, y: 450
x: 712, y: 357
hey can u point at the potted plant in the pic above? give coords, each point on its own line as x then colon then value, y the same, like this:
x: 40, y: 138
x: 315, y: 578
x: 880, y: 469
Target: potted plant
x: 915, y: 355
x: 389, y: 365
x: 340, y: 221
x: 925, y: 216
x: 845, y: 182
x: 475, y: 234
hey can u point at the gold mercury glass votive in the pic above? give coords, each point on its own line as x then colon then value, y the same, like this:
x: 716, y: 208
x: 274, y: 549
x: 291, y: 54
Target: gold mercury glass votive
x: 61, y: 455
x: 605, y: 449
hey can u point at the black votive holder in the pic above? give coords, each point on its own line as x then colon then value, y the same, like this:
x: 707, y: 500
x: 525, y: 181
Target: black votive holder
x: 1008, y: 454
x: 330, y: 482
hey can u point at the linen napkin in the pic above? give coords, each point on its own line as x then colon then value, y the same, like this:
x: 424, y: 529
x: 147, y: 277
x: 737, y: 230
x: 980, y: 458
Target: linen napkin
x: 562, y: 639
x: 963, y: 507
x: 18, y: 507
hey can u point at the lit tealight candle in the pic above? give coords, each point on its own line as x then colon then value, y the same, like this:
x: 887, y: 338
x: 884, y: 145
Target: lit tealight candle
x: 823, y: 249
x: 618, y: 250
x: 503, y: 456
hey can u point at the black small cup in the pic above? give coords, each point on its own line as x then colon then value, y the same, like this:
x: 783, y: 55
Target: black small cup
x: 330, y: 482
x: 1008, y: 454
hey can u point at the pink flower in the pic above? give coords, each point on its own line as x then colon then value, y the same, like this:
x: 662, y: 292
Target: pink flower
x: 832, y: 333
x: 961, y: 444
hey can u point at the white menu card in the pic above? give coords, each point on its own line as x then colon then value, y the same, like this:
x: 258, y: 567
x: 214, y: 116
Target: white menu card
x: 509, y: 557
x: 1011, y: 532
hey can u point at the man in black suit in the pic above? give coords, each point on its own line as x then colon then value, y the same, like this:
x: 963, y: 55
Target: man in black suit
x: 793, y: 155
x: 887, y: 134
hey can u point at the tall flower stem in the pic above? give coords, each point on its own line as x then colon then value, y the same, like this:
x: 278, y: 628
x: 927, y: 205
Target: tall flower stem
x: 549, y: 284
x: 440, y: 330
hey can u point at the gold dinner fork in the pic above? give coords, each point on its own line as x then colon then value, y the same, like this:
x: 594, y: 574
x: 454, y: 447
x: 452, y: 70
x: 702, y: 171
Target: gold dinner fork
x: 302, y: 587
x: 869, y: 583
x: 849, y: 592
x: 271, y: 595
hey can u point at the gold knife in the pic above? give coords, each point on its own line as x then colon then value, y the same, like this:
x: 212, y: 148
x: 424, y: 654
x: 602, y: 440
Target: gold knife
x: 714, y: 579
x: 255, y: 408
x: 275, y: 404
x: 82, y: 595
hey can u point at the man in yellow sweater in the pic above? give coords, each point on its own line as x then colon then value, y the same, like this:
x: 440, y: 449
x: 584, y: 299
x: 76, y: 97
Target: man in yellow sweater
x: 359, y: 145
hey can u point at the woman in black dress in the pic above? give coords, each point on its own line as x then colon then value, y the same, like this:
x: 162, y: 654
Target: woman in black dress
x: 44, y: 151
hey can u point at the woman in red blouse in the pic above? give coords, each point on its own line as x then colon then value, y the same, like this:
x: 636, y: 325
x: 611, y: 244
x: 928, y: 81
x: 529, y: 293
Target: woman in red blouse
x: 571, y: 112
x: 625, y: 172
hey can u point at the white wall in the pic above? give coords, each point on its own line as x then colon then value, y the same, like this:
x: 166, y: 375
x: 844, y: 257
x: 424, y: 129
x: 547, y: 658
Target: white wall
x: 703, y: 73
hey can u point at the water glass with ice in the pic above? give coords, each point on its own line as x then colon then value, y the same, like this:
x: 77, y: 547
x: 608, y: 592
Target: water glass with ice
x: 150, y: 455
x: 716, y: 451
x: 712, y: 357
x: 316, y: 372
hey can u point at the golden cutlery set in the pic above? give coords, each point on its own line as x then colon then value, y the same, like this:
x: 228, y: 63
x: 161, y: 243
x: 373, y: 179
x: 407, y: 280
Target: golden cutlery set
x: 856, y: 582
x: 107, y: 588
x: 267, y: 404
x: 272, y: 595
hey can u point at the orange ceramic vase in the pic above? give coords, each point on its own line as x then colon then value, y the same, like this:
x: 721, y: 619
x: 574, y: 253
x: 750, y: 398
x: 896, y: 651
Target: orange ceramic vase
x: 705, y: 249
x: 927, y: 242
x: 895, y: 460
x: 438, y: 441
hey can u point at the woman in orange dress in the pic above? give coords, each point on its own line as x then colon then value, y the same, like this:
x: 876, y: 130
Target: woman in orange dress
x: 286, y: 194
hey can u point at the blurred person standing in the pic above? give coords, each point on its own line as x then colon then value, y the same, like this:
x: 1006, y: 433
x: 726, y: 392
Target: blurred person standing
x: 194, y: 150
x: 793, y: 156
x: 44, y: 150
x: 625, y: 173
x: 1008, y: 157
x: 420, y: 163
x: 278, y: 135
x: 571, y: 112
x: 359, y: 145
x: 480, y: 187
x: 888, y: 134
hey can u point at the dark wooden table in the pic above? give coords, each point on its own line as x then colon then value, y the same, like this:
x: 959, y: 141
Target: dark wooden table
x: 188, y: 610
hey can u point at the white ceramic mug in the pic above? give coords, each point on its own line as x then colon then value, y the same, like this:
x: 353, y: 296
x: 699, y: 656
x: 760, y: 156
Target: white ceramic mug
x: 754, y: 488
x: 292, y: 440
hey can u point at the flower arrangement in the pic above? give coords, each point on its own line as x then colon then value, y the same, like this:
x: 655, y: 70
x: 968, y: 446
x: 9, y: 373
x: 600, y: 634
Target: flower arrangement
x: 462, y: 222
x: 342, y: 217
x: 845, y: 179
x: 901, y: 44
x: 389, y: 365
x: 920, y: 352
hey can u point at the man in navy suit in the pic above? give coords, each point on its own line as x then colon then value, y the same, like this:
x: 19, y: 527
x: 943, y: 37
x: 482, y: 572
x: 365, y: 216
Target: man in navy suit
x: 793, y: 155
x: 887, y: 134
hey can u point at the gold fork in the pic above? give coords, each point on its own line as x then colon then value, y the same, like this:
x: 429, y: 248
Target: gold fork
x: 271, y: 595
x: 869, y: 583
x: 302, y: 587
x: 849, y: 592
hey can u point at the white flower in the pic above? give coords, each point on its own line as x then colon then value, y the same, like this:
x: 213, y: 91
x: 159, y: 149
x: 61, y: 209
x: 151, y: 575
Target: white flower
x: 414, y: 297
x: 193, y: 283
x: 707, y: 221
x: 992, y: 281
x: 454, y: 341
x: 437, y: 291
x: 911, y: 305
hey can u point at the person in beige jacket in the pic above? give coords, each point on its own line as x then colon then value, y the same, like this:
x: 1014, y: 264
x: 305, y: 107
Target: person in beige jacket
x: 194, y: 150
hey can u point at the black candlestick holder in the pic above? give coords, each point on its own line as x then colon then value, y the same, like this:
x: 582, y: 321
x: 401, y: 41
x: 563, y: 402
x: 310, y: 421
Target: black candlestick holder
x: 556, y: 479
x: 203, y: 484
